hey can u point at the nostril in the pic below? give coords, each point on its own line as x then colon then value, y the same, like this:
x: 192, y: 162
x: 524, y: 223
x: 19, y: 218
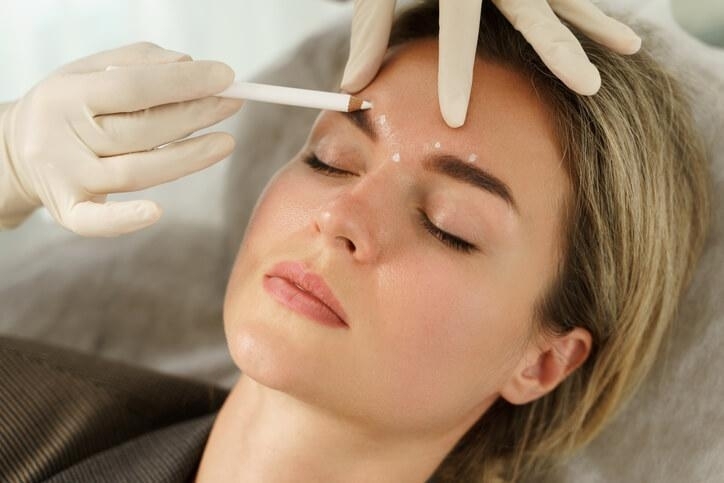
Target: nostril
x: 350, y: 245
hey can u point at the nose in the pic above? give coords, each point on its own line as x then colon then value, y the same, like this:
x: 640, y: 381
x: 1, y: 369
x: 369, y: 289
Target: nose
x: 353, y: 221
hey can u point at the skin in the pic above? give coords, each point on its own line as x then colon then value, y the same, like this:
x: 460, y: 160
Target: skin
x: 435, y: 335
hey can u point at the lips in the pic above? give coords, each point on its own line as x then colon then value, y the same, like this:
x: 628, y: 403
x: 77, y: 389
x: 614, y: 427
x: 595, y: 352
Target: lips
x: 295, y: 285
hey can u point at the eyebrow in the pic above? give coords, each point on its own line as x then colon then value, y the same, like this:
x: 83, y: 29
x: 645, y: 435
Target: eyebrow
x: 362, y: 120
x: 447, y: 164
x: 456, y: 168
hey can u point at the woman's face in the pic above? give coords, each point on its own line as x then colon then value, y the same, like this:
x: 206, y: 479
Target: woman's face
x: 434, y: 326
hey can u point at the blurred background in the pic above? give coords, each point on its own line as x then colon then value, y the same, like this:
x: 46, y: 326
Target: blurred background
x: 37, y: 36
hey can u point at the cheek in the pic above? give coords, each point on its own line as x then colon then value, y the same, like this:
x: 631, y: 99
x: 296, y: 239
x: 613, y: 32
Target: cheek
x: 283, y: 208
x: 283, y: 205
x: 448, y: 338
x: 280, y: 210
x: 256, y: 232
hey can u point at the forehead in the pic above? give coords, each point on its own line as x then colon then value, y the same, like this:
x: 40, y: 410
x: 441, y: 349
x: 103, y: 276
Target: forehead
x: 502, y: 102
x: 508, y: 128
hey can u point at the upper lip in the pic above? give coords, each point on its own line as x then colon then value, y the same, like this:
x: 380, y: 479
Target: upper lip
x: 299, y: 274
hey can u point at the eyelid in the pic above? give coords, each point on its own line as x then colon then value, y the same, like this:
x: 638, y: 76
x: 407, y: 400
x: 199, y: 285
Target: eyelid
x: 313, y: 161
x: 330, y: 147
x: 452, y: 241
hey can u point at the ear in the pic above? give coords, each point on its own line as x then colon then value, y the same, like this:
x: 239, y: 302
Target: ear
x: 545, y: 365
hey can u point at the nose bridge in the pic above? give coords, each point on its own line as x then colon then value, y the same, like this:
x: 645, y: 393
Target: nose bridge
x: 375, y: 188
x: 362, y: 215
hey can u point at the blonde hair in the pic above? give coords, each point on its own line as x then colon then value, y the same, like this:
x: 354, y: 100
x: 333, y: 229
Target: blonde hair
x: 635, y: 226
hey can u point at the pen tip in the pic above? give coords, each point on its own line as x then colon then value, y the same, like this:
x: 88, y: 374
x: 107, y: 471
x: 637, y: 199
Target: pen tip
x: 356, y: 104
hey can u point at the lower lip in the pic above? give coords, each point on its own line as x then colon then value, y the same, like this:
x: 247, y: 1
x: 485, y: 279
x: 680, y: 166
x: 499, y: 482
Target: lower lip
x: 288, y: 294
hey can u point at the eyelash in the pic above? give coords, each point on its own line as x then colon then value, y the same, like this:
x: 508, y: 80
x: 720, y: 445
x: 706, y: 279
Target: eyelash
x: 452, y: 241
x: 317, y: 165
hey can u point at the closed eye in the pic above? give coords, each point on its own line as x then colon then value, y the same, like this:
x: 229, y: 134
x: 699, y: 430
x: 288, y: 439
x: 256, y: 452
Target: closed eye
x: 450, y: 240
x: 314, y: 162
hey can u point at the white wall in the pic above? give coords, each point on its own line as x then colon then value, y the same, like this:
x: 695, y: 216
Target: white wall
x: 40, y: 35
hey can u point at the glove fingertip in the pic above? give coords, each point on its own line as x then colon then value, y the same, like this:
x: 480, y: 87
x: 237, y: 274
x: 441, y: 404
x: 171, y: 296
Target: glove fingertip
x: 179, y: 56
x: 589, y: 82
x: 454, y: 96
x: 150, y: 211
x: 633, y: 44
x: 140, y: 214
x: 219, y: 73
x: 357, y: 76
x: 581, y: 76
x: 111, y: 219
x: 454, y: 115
x: 146, y: 214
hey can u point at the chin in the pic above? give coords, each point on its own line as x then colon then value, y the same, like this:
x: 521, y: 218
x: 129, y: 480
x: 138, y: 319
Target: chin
x: 280, y: 349
x: 266, y: 355
x: 275, y: 347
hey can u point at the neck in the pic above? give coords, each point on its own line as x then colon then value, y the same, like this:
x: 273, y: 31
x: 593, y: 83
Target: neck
x: 265, y: 435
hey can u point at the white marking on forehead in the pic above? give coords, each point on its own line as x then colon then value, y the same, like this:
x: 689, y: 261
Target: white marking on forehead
x: 396, y: 157
x: 383, y: 125
x: 472, y: 158
x: 437, y: 144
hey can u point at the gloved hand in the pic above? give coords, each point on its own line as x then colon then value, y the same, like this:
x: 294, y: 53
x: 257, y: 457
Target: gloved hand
x: 85, y: 132
x: 537, y: 20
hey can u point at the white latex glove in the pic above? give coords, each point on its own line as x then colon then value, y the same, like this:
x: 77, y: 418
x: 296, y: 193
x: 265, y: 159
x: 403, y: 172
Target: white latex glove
x: 537, y: 20
x: 85, y: 132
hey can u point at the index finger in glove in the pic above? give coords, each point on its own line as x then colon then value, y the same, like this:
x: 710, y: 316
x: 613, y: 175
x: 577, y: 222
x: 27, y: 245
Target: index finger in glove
x: 597, y: 25
x: 371, y: 25
x: 133, y: 88
x: 557, y: 47
x: 134, y: 54
x: 459, y: 28
x: 143, y: 130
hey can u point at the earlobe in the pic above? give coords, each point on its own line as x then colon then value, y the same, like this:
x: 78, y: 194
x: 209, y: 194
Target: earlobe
x: 544, y: 366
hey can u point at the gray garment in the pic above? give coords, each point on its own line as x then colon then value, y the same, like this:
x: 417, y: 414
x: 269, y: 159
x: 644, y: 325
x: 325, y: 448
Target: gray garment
x: 168, y: 455
x: 68, y: 416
